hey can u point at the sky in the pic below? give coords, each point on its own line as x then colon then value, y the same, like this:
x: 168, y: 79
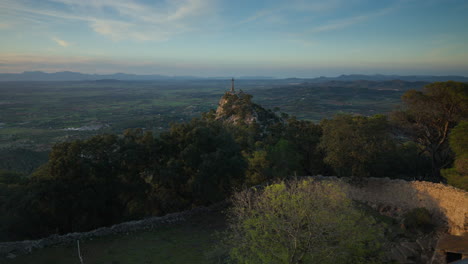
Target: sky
x: 293, y: 38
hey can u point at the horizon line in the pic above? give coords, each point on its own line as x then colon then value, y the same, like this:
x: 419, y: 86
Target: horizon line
x: 239, y: 76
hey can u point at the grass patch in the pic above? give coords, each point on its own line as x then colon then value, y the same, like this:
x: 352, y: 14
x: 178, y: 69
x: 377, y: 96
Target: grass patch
x: 186, y: 242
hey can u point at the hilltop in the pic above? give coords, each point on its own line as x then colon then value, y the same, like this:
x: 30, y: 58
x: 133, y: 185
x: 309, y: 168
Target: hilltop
x: 237, y: 108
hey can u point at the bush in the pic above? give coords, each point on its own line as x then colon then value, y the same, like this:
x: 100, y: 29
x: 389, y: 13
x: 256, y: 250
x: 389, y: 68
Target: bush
x: 458, y: 175
x: 418, y: 219
x: 301, y: 222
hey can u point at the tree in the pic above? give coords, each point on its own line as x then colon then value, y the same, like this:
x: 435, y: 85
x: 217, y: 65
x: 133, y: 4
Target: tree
x: 458, y: 176
x: 428, y: 116
x: 79, y: 188
x: 202, y: 163
x: 356, y: 145
x: 305, y: 136
x: 278, y: 161
x: 95, y: 182
x: 284, y: 159
x: 12, y: 189
x: 287, y: 148
x: 405, y: 162
x: 258, y: 170
x: 301, y: 221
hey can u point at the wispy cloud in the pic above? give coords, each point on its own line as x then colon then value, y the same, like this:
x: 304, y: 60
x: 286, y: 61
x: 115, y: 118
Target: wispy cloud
x: 258, y: 15
x: 60, y: 42
x: 347, y: 22
x: 317, y: 5
x: 13, y: 62
x: 122, y: 19
x: 309, y: 6
x: 317, y: 8
x: 190, y: 8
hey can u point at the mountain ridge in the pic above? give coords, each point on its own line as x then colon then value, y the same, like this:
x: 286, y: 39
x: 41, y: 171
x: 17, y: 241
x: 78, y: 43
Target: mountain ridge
x: 78, y: 76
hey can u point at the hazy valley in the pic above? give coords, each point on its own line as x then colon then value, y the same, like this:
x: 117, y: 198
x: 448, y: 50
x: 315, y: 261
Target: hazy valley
x: 35, y: 115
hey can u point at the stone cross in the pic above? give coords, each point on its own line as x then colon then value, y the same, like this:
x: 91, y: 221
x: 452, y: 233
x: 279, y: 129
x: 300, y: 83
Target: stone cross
x: 232, y: 85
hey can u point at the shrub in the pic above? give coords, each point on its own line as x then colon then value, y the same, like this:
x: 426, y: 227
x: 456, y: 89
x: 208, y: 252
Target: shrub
x: 301, y: 222
x: 418, y: 219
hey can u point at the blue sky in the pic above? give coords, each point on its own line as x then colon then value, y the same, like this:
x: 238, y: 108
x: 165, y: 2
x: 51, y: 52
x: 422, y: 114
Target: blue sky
x: 302, y: 38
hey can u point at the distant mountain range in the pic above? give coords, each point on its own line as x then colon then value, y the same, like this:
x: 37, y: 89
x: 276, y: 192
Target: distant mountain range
x: 381, y: 77
x: 77, y: 76
x: 396, y: 85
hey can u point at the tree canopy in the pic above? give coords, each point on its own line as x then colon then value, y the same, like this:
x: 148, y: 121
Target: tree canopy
x: 428, y: 116
x: 300, y: 221
x: 458, y: 175
x: 355, y: 145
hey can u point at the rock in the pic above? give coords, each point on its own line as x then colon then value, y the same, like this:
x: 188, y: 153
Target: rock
x: 237, y: 108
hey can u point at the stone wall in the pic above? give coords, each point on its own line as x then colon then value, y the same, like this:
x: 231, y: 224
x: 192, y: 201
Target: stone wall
x: 11, y: 249
x: 448, y: 205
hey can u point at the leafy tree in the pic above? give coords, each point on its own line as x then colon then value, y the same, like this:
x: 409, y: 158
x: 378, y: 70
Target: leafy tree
x: 305, y: 137
x: 405, y: 162
x: 202, y: 160
x: 276, y: 162
x: 458, y: 176
x: 248, y: 137
x: 140, y: 158
x: 284, y: 159
x: 95, y: 182
x: 12, y: 178
x: 258, y: 170
x: 287, y: 148
x: 429, y: 115
x: 356, y: 145
x: 21, y: 160
x: 301, y: 221
x: 80, y: 186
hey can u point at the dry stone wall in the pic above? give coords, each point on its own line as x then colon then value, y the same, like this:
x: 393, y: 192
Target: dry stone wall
x: 11, y: 249
x: 395, y: 197
x: 448, y: 205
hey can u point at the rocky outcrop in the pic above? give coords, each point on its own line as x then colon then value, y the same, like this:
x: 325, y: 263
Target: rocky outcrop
x: 237, y: 108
